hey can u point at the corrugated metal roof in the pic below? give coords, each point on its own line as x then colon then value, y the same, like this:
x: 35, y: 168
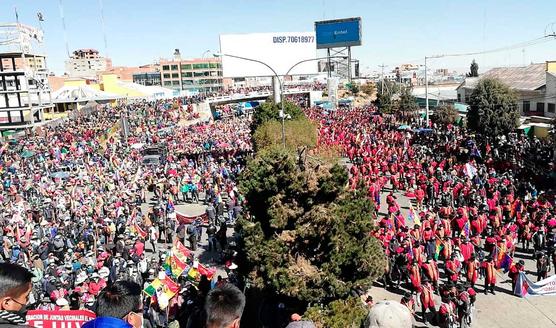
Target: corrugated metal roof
x: 531, y: 77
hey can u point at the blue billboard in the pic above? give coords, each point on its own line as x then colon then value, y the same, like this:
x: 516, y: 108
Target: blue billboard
x: 338, y: 33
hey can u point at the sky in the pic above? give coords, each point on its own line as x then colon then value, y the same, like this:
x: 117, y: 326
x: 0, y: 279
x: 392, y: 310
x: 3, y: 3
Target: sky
x: 394, y: 31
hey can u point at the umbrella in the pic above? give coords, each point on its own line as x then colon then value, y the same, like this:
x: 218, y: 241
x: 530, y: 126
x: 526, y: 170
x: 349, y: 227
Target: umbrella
x: 27, y: 154
x: 404, y: 127
x: 60, y: 175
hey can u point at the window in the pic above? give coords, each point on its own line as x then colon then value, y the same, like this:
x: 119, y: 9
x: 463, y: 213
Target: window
x: 187, y: 82
x: 551, y: 108
x: 166, y: 68
x: 459, y: 97
x: 174, y: 67
x: 175, y: 82
x: 186, y: 74
x: 166, y: 75
x: 200, y: 66
x: 167, y: 83
x: 175, y: 75
x: 540, y: 107
x: 526, y: 106
x: 186, y: 66
x: 213, y: 65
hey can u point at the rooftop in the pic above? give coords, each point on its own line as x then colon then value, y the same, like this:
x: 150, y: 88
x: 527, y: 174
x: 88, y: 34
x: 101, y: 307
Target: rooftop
x: 531, y: 77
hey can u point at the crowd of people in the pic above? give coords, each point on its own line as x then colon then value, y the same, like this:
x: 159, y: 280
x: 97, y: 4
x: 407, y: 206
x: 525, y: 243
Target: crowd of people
x: 471, y: 214
x: 82, y: 209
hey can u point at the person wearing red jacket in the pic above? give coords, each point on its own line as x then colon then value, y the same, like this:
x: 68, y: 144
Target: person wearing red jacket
x: 427, y: 300
x: 452, y: 268
x: 431, y: 271
x: 472, y: 273
x: 415, y: 276
x: 514, y: 272
x: 490, y: 275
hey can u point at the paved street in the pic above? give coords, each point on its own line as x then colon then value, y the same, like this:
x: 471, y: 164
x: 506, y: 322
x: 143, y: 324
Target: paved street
x: 500, y: 310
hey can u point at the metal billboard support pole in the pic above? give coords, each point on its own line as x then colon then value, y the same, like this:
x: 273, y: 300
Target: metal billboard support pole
x: 349, y: 64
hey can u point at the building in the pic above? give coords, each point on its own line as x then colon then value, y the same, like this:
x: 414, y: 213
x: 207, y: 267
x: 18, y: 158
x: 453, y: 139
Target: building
x: 24, y: 88
x: 194, y: 75
x: 125, y: 73
x: 147, y: 78
x: 87, y: 63
x: 535, y: 86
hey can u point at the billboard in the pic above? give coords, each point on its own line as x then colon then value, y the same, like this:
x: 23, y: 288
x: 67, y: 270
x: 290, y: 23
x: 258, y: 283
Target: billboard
x: 338, y: 33
x: 278, y: 50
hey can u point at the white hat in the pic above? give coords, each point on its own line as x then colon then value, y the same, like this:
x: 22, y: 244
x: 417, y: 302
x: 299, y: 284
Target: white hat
x: 62, y: 302
x: 232, y: 266
x: 389, y: 314
x: 104, y: 272
x: 81, y: 278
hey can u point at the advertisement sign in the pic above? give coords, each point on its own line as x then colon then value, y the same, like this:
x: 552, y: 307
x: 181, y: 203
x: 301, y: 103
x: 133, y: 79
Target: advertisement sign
x: 338, y: 33
x: 525, y: 287
x: 58, y: 319
x: 280, y: 51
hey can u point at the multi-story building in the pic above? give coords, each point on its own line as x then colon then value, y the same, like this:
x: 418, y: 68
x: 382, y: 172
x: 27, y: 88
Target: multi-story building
x: 148, y: 79
x: 87, y: 63
x: 24, y: 88
x: 196, y: 75
x: 126, y: 73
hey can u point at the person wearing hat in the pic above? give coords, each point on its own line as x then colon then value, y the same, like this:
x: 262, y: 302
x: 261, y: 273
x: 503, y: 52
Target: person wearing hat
x: 447, y: 313
x: 431, y: 271
x: 415, y: 277
x: 427, y: 300
x: 472, y: 270
x: 543, y: 266
x: 515, y: 269
x: 452, y: 268
x: 490, y: 274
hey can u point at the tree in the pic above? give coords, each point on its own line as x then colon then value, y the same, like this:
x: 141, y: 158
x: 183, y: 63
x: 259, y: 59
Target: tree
x: 353, y: 88
x: 271, y: 111
x: 310, y: 235
x: 473, y: 69
x: 349, y: 313
x: 446, y: 114
x: 369, y: 89
x: 407, y: 103
x: 299, y: 133
x: 385, y: 91
x: 493, y: 109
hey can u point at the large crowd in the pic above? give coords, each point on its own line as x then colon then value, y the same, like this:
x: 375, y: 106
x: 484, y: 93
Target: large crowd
x: 81, y: 209
x: 475, y: 209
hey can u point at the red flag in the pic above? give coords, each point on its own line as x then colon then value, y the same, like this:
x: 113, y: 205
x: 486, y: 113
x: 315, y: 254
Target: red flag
x: 208, y: 272
x: 181, y: 251
x: 140, y: 231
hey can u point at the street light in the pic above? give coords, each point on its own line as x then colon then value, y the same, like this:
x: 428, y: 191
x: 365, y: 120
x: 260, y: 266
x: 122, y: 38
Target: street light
x: 280, y: 81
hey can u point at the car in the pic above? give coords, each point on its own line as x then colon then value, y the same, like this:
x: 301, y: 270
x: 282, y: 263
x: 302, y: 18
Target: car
x: 151, y: 160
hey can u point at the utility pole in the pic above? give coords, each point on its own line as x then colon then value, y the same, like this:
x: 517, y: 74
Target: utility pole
x: 426, y: 92
x: 382, y: 78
